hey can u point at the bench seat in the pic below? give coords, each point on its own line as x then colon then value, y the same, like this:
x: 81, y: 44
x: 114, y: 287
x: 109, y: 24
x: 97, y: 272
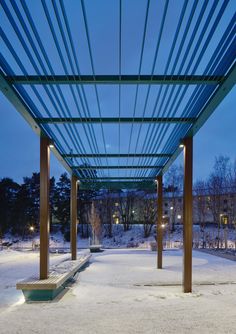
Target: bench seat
x: 35, y: 289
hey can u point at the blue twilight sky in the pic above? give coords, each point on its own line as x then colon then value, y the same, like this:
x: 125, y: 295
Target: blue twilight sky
x: 19, y: 145
x: 156, y: 37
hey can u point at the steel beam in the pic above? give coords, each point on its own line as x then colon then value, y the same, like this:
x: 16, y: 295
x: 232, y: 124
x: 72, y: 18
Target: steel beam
x: 117, y: 155
x: 159, y: 221
x: 187, y: 214
x: 115, y: 79
x: 62, y: 120
x: 44, y: 207
x: 117, y: 178
x: 16, y: 100
x: 13, y: 96
x: 115, y: 167
x: 117, y: 185
x: 73, y: 217
x: 225, y: 87
x: 214, y: 101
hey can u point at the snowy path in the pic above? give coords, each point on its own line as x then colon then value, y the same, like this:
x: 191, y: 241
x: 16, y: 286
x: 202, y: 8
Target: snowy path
x: 120, y: 293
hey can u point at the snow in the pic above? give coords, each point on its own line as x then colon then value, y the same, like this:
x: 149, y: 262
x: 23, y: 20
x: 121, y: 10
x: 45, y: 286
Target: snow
x: 132, y: 237
x: 16, y: 266
x: 122, y: 292
x: 69, y: 265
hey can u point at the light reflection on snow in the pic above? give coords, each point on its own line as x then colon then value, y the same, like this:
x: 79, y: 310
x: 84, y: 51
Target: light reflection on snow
x: 19, y: 302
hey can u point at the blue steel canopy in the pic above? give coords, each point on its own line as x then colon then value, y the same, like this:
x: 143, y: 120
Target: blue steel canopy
x: 117, y: 84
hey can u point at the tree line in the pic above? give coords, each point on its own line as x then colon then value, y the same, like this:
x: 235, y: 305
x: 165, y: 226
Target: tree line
x: 19, y: 203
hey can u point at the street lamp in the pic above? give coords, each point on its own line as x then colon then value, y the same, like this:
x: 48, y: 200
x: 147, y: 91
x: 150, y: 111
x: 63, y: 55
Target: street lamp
x: 31, y: 229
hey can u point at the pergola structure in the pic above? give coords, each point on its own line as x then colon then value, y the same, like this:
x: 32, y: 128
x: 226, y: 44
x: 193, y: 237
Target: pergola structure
x: 116, y: 88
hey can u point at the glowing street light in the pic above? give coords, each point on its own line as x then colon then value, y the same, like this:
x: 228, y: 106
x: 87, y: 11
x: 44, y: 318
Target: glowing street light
x: 51, y: 144
x: 31, y: 229
x: 179, y: 217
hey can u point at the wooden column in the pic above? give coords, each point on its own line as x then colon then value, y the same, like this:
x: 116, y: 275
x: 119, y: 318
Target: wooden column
x: 159, y: 222
x: 73, y: 215
x: 187, y: 214
x: 44, y: 206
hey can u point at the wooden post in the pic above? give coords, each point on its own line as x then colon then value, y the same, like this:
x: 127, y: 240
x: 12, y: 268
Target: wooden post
x: 159, y: 222
x: 44, y: 206
x: 73, y: 215
x: 187, y: 214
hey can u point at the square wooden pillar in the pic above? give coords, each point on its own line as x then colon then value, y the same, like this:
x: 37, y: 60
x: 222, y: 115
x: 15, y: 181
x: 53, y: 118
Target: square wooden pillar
x: 187, y: 214
x: 44, y: 207
x: 159, y: 222
x: 73, y: 215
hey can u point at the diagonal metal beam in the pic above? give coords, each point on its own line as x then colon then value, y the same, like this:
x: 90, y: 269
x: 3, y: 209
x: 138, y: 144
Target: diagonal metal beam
x: 213, y: 103
x: 116, y: 167
x: 115, y: 79
x: 13, y: 96
x: 55, y: 120
x: 117, y: 155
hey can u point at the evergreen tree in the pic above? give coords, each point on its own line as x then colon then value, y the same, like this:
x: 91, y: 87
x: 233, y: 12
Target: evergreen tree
x: 62, y: 202
x: 8, y: 193
x: 52, y: 198
x: 32, y: 185
x: 20, y: 213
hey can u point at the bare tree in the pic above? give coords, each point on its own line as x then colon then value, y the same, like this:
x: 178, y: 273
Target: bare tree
x: 218, y: 184
x: 105, y: 206
x: 232, y: 196
x: 174, y: 189
x: 148, y: 212
x: 126, y: 208
x: 95, y: 224
x: 201, y: 202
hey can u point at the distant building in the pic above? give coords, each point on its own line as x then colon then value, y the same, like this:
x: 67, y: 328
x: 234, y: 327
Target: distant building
x: 126, y: 208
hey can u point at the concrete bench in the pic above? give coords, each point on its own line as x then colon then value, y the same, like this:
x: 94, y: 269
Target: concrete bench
x: 47, y: 289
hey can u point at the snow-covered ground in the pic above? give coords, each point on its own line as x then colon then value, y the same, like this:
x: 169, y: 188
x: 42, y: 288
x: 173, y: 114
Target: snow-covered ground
x: 16, y: 266
x: 133, y: 237
x: 122, y: 292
